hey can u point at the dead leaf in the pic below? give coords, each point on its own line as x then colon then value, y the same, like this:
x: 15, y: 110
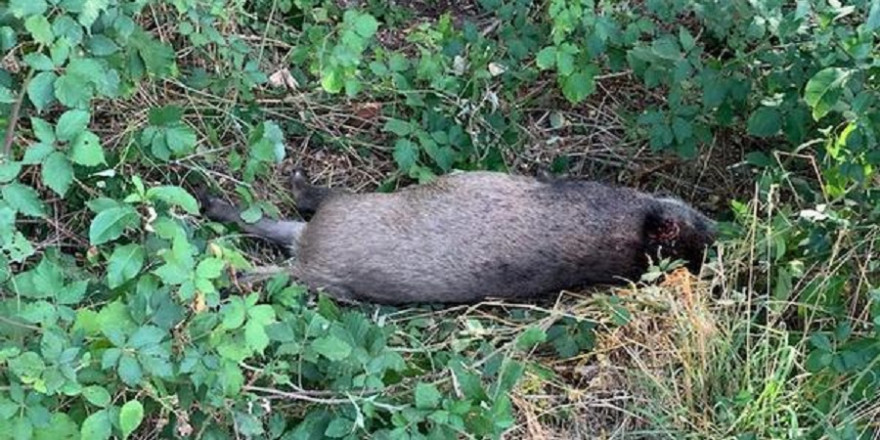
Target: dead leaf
x: 368, y: 111
x: 10, y: 63
x: 459, y: 65
x: 496, y: 69
x: 283, y: 78
x: 199, y: 303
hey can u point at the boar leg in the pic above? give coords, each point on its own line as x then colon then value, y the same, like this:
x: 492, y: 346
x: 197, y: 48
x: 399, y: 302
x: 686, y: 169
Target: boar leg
x: 285, y: 233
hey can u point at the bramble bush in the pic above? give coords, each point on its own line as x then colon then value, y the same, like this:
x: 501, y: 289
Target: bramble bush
x: 113, y: 321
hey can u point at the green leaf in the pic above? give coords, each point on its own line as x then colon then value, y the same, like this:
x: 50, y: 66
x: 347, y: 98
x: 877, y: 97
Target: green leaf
x: 21, y: 429
x: 686, y: 39
x: 332, y: 80
x: 26, y: 8
x: 531, y: 337
x: 248, y: 426
x: 233, y: 313
x: 73, y: 91
x: 38, y: 312
x: 53, y: 345
x: 268, y: 145
x: 48, y: 277
x: 181, y: 140
x: 37, y: 154
x: 817, y: 360
x: 87, y: 69
x: 7, y: 407
x: 102, y: 203
x: 90, y: 10
x: 130, y: 417
x: 823, y: 90
x: 115, y: 323
x: 873, y: 21
x: 41, y: 89
x: 9, y: 171
x: 231, y: 378
x: 65, y: 26
x: 176, y: 196
x: 60, y: 51
x: 255, y: 336
x: 666, y: 48
x: 263, y: 313
x: 8, y: 38
x: 129, y: 370
x: 405, y: 154
x: 759, y: 159
x: 168, y: 115
x: 86, y: 150
x: 71, y: 124
x: 87, y: 321
x: 159, y: 58
x: 28, y: 366
x: 332, y: 348
x: 339, y: 427
x: 352, y: 87
x: 39, y: 61
x: 23, y: 199
x: 60, y: 427
x: 43, y: 130
x: 100, y: 45
x: 252, y: 214
x: 399, y: 127
x: 124, y: 264
x: 210, y: 268
x: 110, y: 358
x: 578, y: 86
x: 546, y: 58
x: 40, y: 29
x: 565, y: 59
x: 108, y: 85
x: 6, y: 96
x: 427, y: 396
x: 97, y: 426
x: 111, y: 223
x: 146, y: 336
x: 683, y: 129
x: 365, y: 25
x: 57, y: 173
x: 97, y: 395
x: 821, y: 341
x: 764, y: 122
x: 72, y: 293
x: 179, y: 262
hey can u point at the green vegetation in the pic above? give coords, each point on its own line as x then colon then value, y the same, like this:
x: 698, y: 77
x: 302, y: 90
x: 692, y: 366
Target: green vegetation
x: 112, y: 321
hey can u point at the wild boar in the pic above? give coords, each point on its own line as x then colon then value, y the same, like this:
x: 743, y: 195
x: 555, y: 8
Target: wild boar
x: 468, y: 236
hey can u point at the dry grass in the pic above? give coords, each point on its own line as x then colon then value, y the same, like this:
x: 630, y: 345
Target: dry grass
x: 595, y: 395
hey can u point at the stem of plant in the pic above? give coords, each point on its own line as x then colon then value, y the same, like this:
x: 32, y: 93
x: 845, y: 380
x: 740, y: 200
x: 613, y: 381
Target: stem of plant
x: 13, y: 117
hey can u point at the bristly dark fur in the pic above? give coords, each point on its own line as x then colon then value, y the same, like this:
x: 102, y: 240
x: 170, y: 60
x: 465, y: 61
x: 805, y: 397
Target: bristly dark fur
x: 472, y: 235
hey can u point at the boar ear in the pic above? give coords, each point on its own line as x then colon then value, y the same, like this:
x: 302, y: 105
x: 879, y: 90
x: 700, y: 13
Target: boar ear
x: 661, y: 227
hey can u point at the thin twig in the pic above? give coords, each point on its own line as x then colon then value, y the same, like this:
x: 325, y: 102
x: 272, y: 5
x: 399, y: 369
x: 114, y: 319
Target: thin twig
x: 309, y: 398
x: 19, y: 324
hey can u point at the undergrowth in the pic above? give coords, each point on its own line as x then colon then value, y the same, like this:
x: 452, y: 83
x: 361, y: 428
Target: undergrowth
x: 123, y: 312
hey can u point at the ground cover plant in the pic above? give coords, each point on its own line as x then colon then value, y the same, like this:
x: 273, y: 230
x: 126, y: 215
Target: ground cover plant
x: 123, y: 312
